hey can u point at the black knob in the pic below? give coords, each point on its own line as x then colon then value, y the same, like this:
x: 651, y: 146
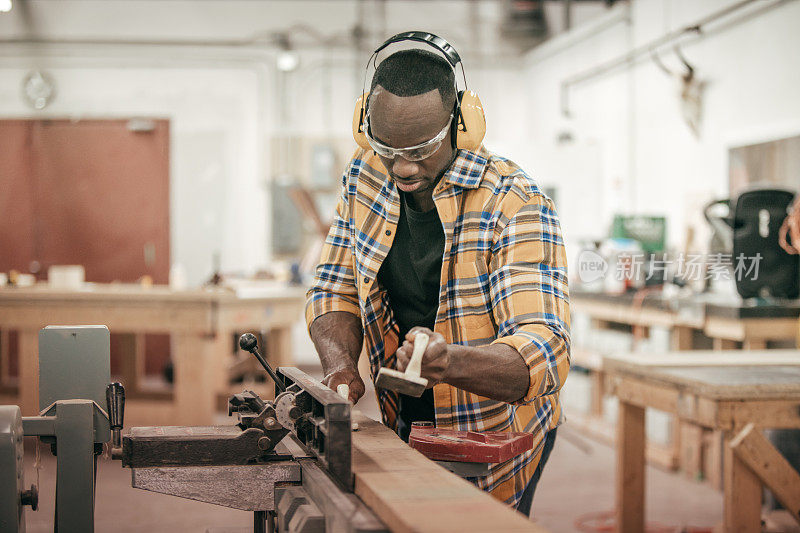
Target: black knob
x: 30, y: 497
x: 248, y: 342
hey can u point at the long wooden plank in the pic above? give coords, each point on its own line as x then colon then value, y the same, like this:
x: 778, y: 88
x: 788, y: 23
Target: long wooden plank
x: 705, y: 358
x: 413, y: 494
x: 126, y: 292
x: 770, y: 466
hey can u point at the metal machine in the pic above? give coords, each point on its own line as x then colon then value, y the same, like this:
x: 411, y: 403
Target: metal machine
x: 74, y: 368
x: 287, y: 460
x: 748, y: 226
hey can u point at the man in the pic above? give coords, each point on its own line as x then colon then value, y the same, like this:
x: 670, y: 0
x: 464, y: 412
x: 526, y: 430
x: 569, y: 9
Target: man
x: 460, y: 245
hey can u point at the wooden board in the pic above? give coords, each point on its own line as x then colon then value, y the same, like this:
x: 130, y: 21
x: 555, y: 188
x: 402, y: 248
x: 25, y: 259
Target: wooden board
x: 770, y: 466
x: 730, y: 377
x: 706, y: 358
x: 411, y: 493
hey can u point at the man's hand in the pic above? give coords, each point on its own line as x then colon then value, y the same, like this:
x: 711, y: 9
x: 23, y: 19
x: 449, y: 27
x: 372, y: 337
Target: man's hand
x: 349, y: 376
x: 337, y: 337
x: 495, y: 371
x: 435, y: 360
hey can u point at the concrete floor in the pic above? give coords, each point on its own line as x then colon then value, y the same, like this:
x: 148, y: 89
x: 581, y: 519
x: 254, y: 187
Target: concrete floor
x: 577, y: 483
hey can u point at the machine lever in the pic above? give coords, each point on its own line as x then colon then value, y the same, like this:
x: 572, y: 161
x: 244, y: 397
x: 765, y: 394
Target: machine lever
x: 115, y: 398
x: 248, y: 343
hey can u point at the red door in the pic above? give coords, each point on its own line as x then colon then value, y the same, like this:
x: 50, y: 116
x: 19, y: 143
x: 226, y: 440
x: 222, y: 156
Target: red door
x: 88, y: 192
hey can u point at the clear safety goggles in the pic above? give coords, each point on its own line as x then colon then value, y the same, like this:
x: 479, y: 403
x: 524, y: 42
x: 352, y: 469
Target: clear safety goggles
x: 412, y: 153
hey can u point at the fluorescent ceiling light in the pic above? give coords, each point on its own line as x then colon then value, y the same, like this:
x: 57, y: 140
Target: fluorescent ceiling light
x: 288, y: 60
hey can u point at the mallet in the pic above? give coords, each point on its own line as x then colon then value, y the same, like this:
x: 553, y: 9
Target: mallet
x: 408, y: 382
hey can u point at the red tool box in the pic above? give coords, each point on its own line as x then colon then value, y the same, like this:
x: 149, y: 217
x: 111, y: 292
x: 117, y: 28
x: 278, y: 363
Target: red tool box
x: 467, y: 446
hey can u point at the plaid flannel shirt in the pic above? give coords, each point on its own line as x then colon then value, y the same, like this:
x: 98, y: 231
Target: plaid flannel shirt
x: 504, y: 280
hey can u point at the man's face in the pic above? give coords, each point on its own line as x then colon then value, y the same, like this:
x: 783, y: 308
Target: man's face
x: 403, y: 121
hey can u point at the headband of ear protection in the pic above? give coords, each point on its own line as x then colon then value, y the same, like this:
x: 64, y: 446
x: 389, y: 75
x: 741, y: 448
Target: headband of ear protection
x: 469, y: 122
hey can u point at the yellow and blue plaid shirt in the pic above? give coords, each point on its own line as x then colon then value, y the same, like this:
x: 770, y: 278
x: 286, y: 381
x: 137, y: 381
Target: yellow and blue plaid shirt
x: 504, y: 280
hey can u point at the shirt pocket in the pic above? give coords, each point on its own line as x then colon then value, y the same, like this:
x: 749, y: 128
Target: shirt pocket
x: 471, y: 303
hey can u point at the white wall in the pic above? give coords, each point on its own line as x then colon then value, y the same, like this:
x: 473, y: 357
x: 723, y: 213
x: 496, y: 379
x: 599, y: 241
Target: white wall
x: 632, y: 151
x: 217, y: 201
x: 224, y: 102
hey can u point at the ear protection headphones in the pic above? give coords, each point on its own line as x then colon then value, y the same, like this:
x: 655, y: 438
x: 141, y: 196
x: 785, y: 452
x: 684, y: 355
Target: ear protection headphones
x: 469, y: 122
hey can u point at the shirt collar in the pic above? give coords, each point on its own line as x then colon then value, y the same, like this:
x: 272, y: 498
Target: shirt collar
x: 467, y: 168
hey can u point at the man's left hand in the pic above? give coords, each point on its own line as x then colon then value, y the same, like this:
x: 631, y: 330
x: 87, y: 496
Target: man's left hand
x: 435, y: 360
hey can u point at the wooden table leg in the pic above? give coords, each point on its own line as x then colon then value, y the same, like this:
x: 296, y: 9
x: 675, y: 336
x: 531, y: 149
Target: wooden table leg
x: 630, y: 468
x: 128, y: 345
x: 29, y: 372
x: 598, y: 392
x: 682, y: 338
x: 754, y: 344
x: 279, y: 346
x: 194, y: 384
x: 724, y: 344
x: 221, y: 362
x: 741, y: 493
x: 691, y: 450
x: 712, y: 459
x: 5, y: 356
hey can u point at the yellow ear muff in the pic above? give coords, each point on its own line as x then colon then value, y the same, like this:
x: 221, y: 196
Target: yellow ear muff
x: 472, y: 122
x: 359, y: 117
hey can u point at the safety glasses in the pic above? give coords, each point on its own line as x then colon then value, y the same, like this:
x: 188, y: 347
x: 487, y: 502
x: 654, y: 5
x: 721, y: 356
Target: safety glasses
x: 412, y: 153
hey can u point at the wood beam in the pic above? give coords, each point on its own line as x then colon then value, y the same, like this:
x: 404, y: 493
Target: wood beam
x: 409, y: 492
x: 751, y: 447
x: 630, y: 482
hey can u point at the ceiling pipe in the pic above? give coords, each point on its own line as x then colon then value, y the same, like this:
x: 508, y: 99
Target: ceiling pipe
x: 695, y: 29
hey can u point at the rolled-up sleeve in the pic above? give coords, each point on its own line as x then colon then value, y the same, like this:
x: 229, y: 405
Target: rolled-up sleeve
x: 530, y: 296
x: 333, y: 288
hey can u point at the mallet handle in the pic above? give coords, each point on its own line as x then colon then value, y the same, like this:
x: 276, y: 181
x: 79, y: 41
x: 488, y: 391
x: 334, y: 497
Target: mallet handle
x: 343, y: 389
x: 415, y: 365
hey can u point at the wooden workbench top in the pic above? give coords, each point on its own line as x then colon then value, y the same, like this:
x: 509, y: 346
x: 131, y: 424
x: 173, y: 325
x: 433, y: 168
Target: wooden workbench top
x: 127, y: 292
x: 412, y: 493
x: 710, y: 305
x: 726, y: 375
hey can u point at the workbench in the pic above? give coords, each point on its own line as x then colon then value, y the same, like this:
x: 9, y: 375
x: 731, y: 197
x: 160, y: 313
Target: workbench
x: 722, y: 391
x: 723, y: 320
x: 202, y: 323
x: 694, y: 323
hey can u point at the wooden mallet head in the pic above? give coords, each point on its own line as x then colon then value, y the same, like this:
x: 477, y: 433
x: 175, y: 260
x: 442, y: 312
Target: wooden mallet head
x: 408, y: 382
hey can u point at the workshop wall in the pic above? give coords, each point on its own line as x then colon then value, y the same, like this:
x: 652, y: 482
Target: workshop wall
x: 216, y: 203
x: 625, y: 147
x: 220, y: 123
x: 225, y: 103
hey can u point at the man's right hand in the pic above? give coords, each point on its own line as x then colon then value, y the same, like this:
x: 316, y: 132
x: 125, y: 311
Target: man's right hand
x: 348, y: 376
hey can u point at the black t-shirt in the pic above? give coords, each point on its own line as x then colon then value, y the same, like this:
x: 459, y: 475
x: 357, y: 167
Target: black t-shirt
x: 411, y: 273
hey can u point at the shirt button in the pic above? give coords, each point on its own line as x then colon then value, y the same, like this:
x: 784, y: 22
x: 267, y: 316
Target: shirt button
x: 366, y: 280
x: 388, y: 232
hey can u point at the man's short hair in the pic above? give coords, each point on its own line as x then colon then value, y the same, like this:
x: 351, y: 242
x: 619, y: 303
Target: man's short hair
x: 413, y: 72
